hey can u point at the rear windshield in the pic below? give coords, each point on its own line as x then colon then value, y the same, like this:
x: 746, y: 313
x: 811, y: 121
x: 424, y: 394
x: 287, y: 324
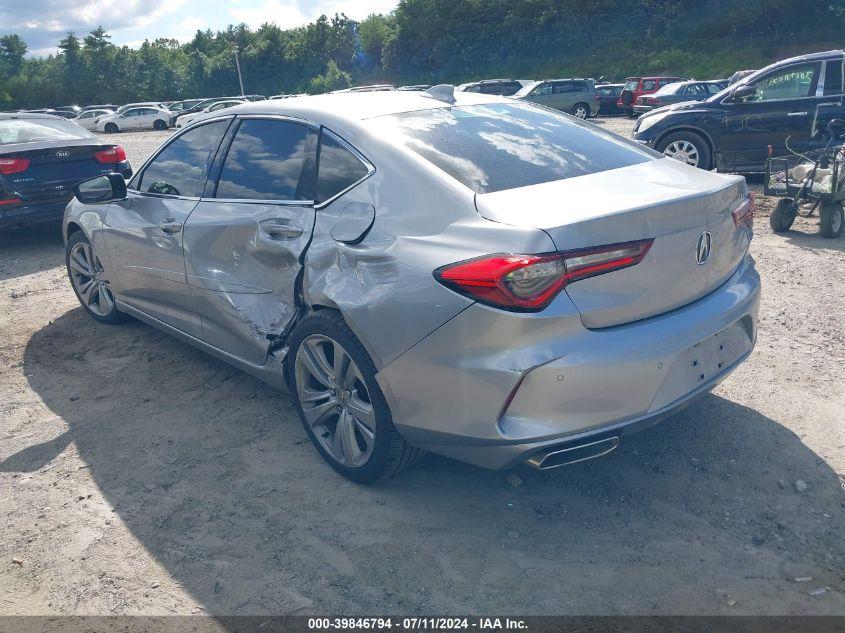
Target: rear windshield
x: 499, y: 146
x: 36, y: 130
x: 632, y: 85
x: 670, y: 89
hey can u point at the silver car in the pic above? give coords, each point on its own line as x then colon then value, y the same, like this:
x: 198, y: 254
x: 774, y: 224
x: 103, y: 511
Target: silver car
x: 452, y: 272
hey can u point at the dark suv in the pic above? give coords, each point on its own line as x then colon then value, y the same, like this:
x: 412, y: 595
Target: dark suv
x: 788, y: 103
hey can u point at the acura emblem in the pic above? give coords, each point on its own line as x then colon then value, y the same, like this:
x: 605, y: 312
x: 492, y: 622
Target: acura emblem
x: 702, y: 249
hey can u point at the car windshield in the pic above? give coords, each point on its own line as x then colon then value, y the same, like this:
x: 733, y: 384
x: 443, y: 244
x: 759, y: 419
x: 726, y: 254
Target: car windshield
x: 499, y: 146
x: 36, y: 130
x: 525, y: 90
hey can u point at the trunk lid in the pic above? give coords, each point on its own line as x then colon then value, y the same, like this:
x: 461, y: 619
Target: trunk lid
x: 53, y: 170
x: 663, y: 200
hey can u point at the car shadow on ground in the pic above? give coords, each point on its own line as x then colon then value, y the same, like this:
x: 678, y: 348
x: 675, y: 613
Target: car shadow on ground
x: 213, y: 474
x: 28, y: 251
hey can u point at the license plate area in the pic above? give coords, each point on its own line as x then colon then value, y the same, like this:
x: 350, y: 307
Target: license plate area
x: 702, y: 363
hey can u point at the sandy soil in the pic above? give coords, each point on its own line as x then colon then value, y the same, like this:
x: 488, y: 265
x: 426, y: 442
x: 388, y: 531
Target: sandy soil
x: 139, y: 475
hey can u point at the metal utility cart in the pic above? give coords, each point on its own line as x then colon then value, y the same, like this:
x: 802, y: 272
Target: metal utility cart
x: 807, y: 182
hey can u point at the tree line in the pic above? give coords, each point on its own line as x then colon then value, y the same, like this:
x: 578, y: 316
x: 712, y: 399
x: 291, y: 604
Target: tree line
x: 428, y: 41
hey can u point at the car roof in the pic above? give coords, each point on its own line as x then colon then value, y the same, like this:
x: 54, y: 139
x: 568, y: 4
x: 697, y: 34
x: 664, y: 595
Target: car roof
x: 346, y: 109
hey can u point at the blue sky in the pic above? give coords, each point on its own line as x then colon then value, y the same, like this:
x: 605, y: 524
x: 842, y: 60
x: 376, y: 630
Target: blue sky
x: 42, y: 23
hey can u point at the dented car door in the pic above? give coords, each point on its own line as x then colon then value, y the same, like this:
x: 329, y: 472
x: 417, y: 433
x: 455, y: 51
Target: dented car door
x: 245, y: 239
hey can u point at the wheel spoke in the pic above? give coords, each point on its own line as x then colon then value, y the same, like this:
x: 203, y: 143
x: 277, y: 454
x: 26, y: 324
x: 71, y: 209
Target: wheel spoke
x: 313, y: 359
x: 85, y: 290
x: 361, y: 411
x: 317, y: 414
x: 345, y: 431
x: 81, y: 266
x: 105, y: 301
x: 341, y: 364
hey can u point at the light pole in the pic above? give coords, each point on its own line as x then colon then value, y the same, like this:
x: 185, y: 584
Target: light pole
x: 238, y: 66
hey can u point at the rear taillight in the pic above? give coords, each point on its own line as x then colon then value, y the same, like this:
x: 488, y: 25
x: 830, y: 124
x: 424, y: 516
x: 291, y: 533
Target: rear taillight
x: 10, y: 166
x: 744, y: 213
x: 528, y: 283
x: 8, y: 201
x: 111, y: 155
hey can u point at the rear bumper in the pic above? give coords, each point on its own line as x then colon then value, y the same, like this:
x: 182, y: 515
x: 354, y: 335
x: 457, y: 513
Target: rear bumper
x: 23, y: 216
x: 494, y: 388
x: 643, y: 108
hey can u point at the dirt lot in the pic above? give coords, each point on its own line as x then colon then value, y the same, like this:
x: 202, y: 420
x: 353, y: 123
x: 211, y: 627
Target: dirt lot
x: 139, y: 475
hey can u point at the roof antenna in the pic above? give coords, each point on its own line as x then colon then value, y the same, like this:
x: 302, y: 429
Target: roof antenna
x: 442, y: 92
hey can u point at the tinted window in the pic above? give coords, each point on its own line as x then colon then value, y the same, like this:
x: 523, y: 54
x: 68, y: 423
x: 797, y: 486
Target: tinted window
x: 338, y: 168
x: 265, y: 162
x: 579, y: 86
x: 792, y: 82
x: 561, y: 87
x: 833, y: 78
x: 502, y: 146
x: 181, y: 167
x: 542, y: 90
x: 34, y: 130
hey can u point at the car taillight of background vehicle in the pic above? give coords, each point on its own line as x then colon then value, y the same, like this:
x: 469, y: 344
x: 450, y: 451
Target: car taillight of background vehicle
x: 9, y: 166
x: 528, y: 283
x: 111, y: 155
x: 744, y: 213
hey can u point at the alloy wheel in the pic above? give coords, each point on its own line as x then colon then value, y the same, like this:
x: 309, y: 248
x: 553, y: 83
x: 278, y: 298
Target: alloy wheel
x: 335, y: 400
x: 683, y: 151
x: 89, y: 281
x: 581, y: 112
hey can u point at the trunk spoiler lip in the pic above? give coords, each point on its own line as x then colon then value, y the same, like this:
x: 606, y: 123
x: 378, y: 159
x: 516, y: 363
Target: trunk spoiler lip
x: 721, y: 182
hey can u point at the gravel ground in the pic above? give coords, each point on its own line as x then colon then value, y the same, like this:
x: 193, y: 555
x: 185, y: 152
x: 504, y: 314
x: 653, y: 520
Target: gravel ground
x: 140, y: 476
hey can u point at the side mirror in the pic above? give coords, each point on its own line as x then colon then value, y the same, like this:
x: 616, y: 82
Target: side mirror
x: 743, y: 92
x: 101, y: 189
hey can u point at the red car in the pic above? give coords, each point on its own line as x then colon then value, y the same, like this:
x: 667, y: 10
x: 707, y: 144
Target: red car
x: 635, y: 87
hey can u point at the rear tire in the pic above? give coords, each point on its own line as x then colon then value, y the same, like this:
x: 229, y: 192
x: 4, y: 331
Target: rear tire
x: 159, y: 125
x: 580, y: 110
x: 334, y: 396
x: 687, y: 147
x: 783, y: 216
x: 832, y: 219
x: 111, y: 128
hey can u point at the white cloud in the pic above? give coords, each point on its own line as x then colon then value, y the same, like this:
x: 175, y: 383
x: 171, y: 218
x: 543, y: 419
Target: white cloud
x: 292, y: 13
x: 42, y: 23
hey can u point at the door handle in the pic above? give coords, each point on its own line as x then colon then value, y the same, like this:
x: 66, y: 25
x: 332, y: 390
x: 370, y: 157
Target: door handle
x: 280, y: 231
x: 170, y: 226
x: 798, y: 114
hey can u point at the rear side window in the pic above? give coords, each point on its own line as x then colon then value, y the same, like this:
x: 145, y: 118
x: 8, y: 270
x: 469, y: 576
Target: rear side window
x: 338, y: 168
x: 266, y: 161
x: 492, y: 147
x: 649, y: 84
x: 35, y: 130
x: 833, y: 78
x: 182, y: 167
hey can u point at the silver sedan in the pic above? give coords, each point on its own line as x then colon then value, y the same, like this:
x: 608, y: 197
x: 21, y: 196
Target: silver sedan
x: 451, y: 272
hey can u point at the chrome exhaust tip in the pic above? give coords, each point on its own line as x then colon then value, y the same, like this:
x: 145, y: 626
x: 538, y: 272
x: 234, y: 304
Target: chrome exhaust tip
x: 554, y: 458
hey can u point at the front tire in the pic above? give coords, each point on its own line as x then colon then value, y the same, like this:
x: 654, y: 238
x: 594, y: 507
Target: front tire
x: 111, y: 128
x: 832, y: 219
x: 341, y: 406
x: 580, y: 110
x: 687, y: 147
x: 89, y: 281
x: 783, y: 216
